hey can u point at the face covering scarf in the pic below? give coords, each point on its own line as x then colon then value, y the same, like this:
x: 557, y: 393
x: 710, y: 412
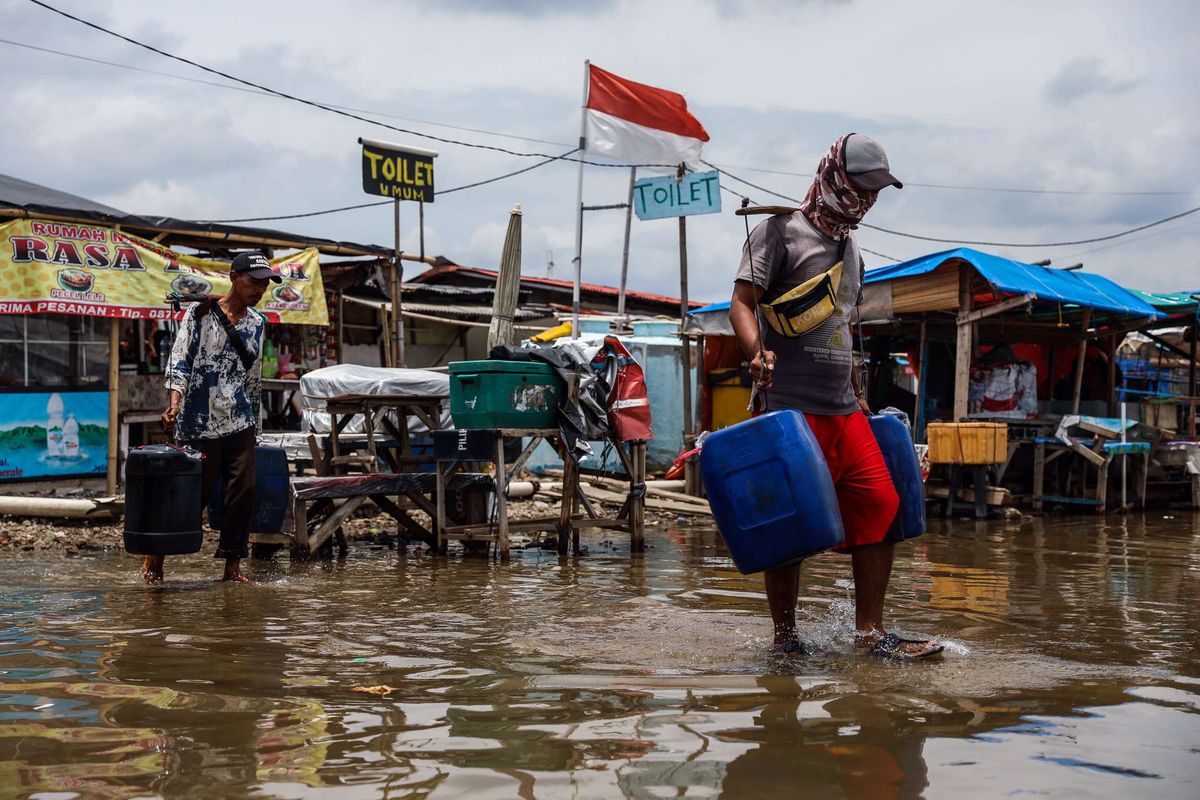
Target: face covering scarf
x: 834, y: 205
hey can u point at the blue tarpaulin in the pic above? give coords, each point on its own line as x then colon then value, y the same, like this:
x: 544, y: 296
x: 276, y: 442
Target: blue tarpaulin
x: 1013, y: 277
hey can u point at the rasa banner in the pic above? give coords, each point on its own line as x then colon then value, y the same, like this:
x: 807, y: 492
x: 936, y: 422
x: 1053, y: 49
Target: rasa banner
x: 89, y: 270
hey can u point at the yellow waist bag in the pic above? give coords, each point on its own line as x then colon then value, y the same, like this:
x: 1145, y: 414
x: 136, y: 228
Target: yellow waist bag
x: 800, y: 309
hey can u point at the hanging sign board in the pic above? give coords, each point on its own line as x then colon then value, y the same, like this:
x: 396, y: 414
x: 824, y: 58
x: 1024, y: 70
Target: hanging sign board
x: 392, y: 170
x: 92, y: 271
x: 668, y: 196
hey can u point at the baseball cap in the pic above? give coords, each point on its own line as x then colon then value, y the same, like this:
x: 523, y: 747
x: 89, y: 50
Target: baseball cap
x: 867, y: 164
x: 255, y: 265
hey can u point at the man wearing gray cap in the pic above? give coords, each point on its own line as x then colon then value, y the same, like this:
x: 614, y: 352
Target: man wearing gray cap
x: 803, y: 273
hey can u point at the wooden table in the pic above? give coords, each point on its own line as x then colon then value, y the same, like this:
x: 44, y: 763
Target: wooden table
x: 373, y: 408
x: 568, y: 522
x: 336, y: 479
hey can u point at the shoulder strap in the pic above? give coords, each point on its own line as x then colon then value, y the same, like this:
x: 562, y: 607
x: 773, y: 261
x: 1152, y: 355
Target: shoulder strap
x: 236, y: 341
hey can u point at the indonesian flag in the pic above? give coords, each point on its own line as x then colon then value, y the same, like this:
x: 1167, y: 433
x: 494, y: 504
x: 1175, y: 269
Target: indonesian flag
x: 639, y: 124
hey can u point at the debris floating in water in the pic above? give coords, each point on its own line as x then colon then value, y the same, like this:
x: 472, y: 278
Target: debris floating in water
x: 382, y: 690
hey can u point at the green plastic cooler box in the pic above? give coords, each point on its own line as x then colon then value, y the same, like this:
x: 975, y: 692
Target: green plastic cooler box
x: 504, y: 394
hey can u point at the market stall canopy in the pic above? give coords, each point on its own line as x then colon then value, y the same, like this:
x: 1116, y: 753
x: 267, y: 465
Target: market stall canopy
x: 20, y: 198
x: 930, y: 283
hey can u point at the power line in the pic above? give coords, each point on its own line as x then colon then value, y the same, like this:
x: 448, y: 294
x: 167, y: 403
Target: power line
x: 323, y: 107
x: 388, y: 202
x: 1109, y: 237
x: 260, y: 93
x: 908, y: 183
x: 486, y: 132
x: 881, y: 255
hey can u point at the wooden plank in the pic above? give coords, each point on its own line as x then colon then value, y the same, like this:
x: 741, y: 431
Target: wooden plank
x: 1094, y: 458
x: 934, y: 291
x: 604, y: 495
x: 332, y: 523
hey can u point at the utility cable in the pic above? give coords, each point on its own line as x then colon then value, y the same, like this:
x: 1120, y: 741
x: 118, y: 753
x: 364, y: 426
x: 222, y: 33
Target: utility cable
x: 260, y: 93
x: 907, y: 183
x: 264, y: 93
x: 330, y: 109
x: 388, y: 202
x: 1109, y: 237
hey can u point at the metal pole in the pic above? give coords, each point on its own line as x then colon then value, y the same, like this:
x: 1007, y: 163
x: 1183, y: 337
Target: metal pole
x: 922, y: 382
x: 625, y: 251
x: 578, y: 261
x: 398, y: 317
x: 689, y: 433
x: 421, y: 211
x: 114, y: 373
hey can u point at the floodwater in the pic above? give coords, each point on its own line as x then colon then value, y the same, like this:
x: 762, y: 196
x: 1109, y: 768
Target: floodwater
x: 1071, y: 671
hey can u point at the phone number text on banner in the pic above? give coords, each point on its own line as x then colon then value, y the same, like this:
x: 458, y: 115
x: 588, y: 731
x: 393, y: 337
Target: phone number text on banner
x: 89, y: 270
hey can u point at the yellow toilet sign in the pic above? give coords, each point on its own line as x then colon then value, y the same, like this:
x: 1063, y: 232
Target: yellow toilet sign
x: 397, y: 171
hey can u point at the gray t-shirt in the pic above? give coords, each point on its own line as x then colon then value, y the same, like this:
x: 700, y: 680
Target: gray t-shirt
x: 812, y: 372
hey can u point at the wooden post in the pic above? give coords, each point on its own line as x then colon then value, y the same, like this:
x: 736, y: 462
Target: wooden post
x: 1112, y: 375
x: 1083, y: 341
x: 962, y: 356
x: 340, y: 332
x: 922, y: 382
x: 1192, y: 393
x: 114, y: 373
x: 625, y: 250
x: 689, y: 432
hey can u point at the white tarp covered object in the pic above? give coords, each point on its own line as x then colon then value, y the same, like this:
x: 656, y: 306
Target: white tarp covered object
x: 342, y: 379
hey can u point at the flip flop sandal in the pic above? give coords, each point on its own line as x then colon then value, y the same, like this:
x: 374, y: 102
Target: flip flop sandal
x: 793, y: 647
x: 891, y: 646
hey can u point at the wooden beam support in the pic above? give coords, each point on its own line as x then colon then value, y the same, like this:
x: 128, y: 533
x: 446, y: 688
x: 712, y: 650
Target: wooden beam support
x: 998, y: 308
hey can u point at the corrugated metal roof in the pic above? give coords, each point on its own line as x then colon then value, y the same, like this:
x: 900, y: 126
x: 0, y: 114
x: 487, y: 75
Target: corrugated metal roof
x: 1014, y: 277
x: 457, y: 310
x: 595, y: 288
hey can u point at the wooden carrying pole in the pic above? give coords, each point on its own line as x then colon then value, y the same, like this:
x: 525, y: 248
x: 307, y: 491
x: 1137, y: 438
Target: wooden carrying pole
x: 508, y: 284
x: 114, y: 373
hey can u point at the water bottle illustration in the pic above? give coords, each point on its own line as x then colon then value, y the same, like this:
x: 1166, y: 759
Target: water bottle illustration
x: 54, y: 426
x: 70, y: 437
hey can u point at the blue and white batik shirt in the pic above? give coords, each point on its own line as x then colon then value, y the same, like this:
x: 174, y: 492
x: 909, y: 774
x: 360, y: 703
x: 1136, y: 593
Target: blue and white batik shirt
x: 220, y: 396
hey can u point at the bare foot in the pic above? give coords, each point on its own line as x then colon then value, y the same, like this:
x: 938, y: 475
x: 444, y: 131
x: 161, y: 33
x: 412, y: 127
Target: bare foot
x: 152, y: 569
x: 233, y: 572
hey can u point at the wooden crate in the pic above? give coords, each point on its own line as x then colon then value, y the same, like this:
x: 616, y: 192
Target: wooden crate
x: 967, y: 442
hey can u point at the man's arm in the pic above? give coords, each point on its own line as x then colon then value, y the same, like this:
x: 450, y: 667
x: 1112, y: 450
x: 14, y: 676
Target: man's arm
x: 179, y: 369
x: 743, y: 314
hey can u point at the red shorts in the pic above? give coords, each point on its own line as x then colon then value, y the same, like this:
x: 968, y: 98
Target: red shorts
x: 866, y: 495
x: 867, y: 498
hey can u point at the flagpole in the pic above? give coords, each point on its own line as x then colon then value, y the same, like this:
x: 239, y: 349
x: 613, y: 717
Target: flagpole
x: 579, y: 205
x: 625, y: 250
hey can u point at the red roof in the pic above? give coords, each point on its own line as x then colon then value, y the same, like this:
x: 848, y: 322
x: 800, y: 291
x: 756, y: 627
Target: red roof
x: 594, y: 288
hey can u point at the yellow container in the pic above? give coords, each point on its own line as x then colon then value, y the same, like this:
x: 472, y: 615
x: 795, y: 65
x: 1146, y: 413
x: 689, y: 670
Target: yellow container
x: 967, y: 442
x: 730, y: 399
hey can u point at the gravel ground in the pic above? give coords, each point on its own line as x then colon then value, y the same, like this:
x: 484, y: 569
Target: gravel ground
x: 40, y: 535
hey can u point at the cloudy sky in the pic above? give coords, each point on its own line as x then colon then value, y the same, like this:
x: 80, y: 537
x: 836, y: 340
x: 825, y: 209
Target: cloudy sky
x: 1091, y: 103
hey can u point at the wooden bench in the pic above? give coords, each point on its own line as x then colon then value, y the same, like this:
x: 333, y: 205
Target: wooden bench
x: 317, y: 515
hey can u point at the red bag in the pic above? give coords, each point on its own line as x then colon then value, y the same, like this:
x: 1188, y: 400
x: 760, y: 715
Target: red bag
x: 628, y: 403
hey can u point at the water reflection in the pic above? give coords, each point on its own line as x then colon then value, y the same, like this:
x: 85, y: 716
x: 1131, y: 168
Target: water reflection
x: 1072, y: 669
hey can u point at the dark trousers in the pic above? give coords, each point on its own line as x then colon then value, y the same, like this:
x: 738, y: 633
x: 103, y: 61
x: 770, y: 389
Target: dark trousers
x: 231, y: 459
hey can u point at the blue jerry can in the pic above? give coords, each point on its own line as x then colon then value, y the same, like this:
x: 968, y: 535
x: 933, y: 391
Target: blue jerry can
x: 270, y: 492
x: 901, y: 458
x: 770, y: 491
